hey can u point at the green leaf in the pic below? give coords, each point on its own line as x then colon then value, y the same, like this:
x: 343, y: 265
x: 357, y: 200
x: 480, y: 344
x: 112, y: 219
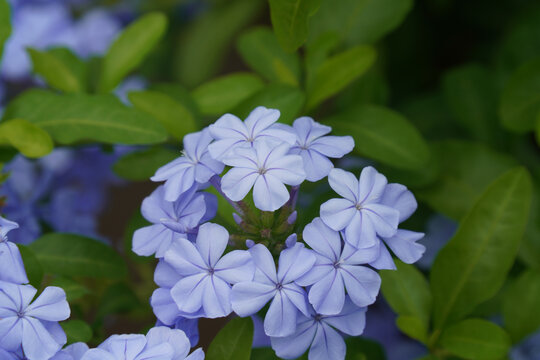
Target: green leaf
x: 203, y: 46
x: 117, y: 299
x: 31, y: 140
x: 261, y: 51
x: 520, y: 301
x: 74, y: 290
x: 141, y: 165
x: 359, y: 348
x: 233, y: 342
x: 263, y: 354
x: 384, y: 135
x: 175, y: 117
x: 476, y: 339
x: 359, y: 21
x: 290, y: 21
x: 520, y: 100
x: 75, y: 117
x: 77, y: 331
x: 472, y: 267
x: 413, y: 327
x: 467, y: 171
x: 287, y: 99
x: 130, y: 48
x: 55, y: 72
x: 34, y: 270
x: 75, y: 255
x: 5, y: 23
x: 337, y: 72
x: 223, y: 94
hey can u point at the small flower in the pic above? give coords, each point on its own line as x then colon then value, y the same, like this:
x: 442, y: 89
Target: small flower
x: 337, y: 268
x: 231, y: 133
x: 32, y: 325
x: 315, y: 148
x: 171, y: 220
x: 287, y: 297
x: 195, y: 166
x: 206, y: 275
x: 319, y: 333
x: 11, y: 264
x: 266, y: 169
x: 360, y: 213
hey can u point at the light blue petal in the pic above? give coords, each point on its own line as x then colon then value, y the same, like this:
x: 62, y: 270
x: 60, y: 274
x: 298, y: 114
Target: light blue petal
x: 345, y: 184
x: 338, y: 213
x: 362, y: 284
x: 37, y: 342
x: 294, y: 262
x: 292, y: 347
x: 249, y: 297
x: 328, y: 294
x: 280, y: 319
x: 327, y: 344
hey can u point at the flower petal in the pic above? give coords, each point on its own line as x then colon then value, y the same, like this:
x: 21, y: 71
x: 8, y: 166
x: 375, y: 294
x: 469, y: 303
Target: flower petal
x: 249, y: 297
x: 293, y: 346
x: 294, y: 262
x: 385, y: 220
x: 11, y: 264
x: 269, y: 193
x: 371, y: 185
x: 237, y: 182
x: 235, y: 267
x: 212, y: 240
x: 188, y: 292
x: 333, y: 146
x: 328, y: 294
x: 362, y: 284
x: 316, y: 166
x: 51, y: 305
x: 280, y: 320
x: 351, y: 320
x: 404, y: 245
x: 322, y: 239
x: 397, y: 196
x: 338, y: 213
x: 185, y: 258
x: 263, y: 260
x: 327, y: 344
x: 37, y: 343
x: 216, y: 298
x: 344, y: 183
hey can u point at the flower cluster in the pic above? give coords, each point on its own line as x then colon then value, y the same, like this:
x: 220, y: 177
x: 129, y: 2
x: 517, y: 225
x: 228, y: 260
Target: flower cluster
x: 309, y: 292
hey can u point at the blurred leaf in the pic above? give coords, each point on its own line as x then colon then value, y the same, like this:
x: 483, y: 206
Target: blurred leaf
x: 34, y: 270
x: 55, y: 72
x: 263, y: 354
x: 359, y: 348
x: 75, y: 117
x: 117, y: 299
x: 74, y: 290
x: 372, y: 88
x: 75, y: 255
x: 5, y: 23
x: 316, y: 53
x: 287, y: 99
x: 338, y: 71
x: 471, y: 91
x: 223, y: 94
x: 180, y: 94
x: 472, y: 267
x: 141, y: 165
x: 130, y: 48
x: 261, y: 51
x: 30, y: 140
x: 174, y: 117
x: 520, y: 100
x: 290, y: 21
x: 467, y: 170
x: 384, y: 135
x: 476, y: 339
x: 522, y: 300
x: 203, y: 47
x: 359, y: 21
x: 529, y: 252
x: 233, y: 342
x: 413, y: 327
x: 76, y: 331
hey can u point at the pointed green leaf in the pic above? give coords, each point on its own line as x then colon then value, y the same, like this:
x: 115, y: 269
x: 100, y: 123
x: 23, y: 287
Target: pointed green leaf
x: 130, y: 48
x: 77, y: 331
x: 74, y: 290
x: 413, y: 327
x: 55, y: 72
x: 233, y: 342
x: 31, y: 140
x: 476, y: 339
x: 472, y: 267
x: 75, y: 117
x: 5, y: 23
x: 384, y: 135
x: 34, y: 270
x: 141, y: 165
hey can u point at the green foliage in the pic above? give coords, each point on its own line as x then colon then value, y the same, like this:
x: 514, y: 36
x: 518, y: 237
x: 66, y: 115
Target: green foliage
x: 233, y: 342
x: 130, y: 48
x: 75, y: 255
x: 261, y: 51
x: 290, y: 21
x: 338, y: 71
x: 60, y: 68
x: 174, y: 116
x: 74, y: 290
x: 29, y: 139
x: 141, y: 165
x: 413, y: 327
x: 118, y: 298
x: 520, y: 100
x: 476, y: 339
x: 522, y: 300
x: 384, y: 135
x: 359, y: 348
x: 223, y: 94
x: 34, y: 270
x: 5, y: 23
x: 76, y: 331
x: 263, y: 354
x: 472, y: 267
x: 76, y: 117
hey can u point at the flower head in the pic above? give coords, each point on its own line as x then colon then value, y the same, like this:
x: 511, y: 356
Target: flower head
x: 11, y: 264
x: 266, y: 169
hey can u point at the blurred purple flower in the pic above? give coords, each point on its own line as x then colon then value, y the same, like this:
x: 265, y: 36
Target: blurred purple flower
x: 11, y: 264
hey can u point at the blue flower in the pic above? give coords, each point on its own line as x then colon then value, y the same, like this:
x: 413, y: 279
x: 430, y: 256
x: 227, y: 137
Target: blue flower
x: 360, y: 212
x: 287, y: 297
x: 337, y: 268
x: 171, y: 220
x: 11, y: 264
x: 72, y: 352
x: 319, y: 334
x: 206, y: 275
x: 266, y: 169
x: 195, y: 166
x: 315, y: 148
x: 32, y: 325
x: 231, y: 133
